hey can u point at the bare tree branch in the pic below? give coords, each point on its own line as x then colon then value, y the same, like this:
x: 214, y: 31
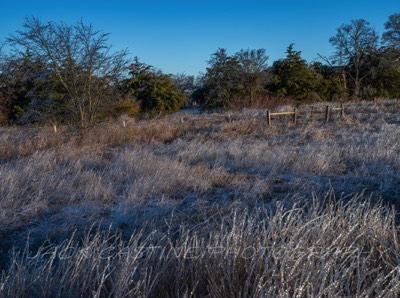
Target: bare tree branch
x: 79, y: 58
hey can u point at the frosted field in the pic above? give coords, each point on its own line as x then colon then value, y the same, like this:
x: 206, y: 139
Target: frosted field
x: 306, y: 210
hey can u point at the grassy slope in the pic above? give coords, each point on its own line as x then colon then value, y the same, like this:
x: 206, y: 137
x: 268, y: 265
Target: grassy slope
x: 199, y: 184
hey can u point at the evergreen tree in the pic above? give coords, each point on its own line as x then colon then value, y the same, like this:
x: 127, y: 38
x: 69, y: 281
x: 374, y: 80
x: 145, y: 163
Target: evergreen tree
x: 155, y: 91
x: 222, y: 81
x: 291, y: 77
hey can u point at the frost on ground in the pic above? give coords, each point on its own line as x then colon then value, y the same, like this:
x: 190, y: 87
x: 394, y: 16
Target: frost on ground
x: 305, y: 209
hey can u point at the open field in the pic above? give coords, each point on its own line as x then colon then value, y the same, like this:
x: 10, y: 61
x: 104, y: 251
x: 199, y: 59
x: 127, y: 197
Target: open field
x: 213, y: 205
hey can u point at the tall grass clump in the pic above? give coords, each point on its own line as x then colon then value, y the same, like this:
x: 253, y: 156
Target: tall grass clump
x: 323, y: 248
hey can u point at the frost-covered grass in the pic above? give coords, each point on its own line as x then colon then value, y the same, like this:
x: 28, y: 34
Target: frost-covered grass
x: 320, y: 249
x: 216, y: 180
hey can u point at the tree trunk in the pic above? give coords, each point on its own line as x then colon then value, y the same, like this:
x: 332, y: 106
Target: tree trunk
x: 356, y: 92
x: 82, y: 116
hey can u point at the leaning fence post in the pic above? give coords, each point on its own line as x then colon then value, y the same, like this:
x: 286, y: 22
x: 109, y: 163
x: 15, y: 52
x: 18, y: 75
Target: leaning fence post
x: 295, y: 116
x: 327, y: 114
x: 269, y: 118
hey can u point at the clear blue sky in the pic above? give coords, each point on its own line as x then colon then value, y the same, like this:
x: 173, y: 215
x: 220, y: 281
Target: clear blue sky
x: 179, y: 36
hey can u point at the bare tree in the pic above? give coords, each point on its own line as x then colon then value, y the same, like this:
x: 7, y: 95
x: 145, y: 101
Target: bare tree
x: 184, y: 82
x: 78, y: 59
x: 353, y: 42
x: 392, y: 36
x: 254, y: 67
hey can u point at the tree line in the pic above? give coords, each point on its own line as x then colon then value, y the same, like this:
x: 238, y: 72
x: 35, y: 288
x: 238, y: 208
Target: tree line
x: 59, y: 73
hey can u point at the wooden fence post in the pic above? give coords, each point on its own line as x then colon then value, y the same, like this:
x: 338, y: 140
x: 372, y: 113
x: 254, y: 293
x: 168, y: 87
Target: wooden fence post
x: 269, y: 118
x: 341, y: 110
x: 55, y: 128
x: 327, y: 114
